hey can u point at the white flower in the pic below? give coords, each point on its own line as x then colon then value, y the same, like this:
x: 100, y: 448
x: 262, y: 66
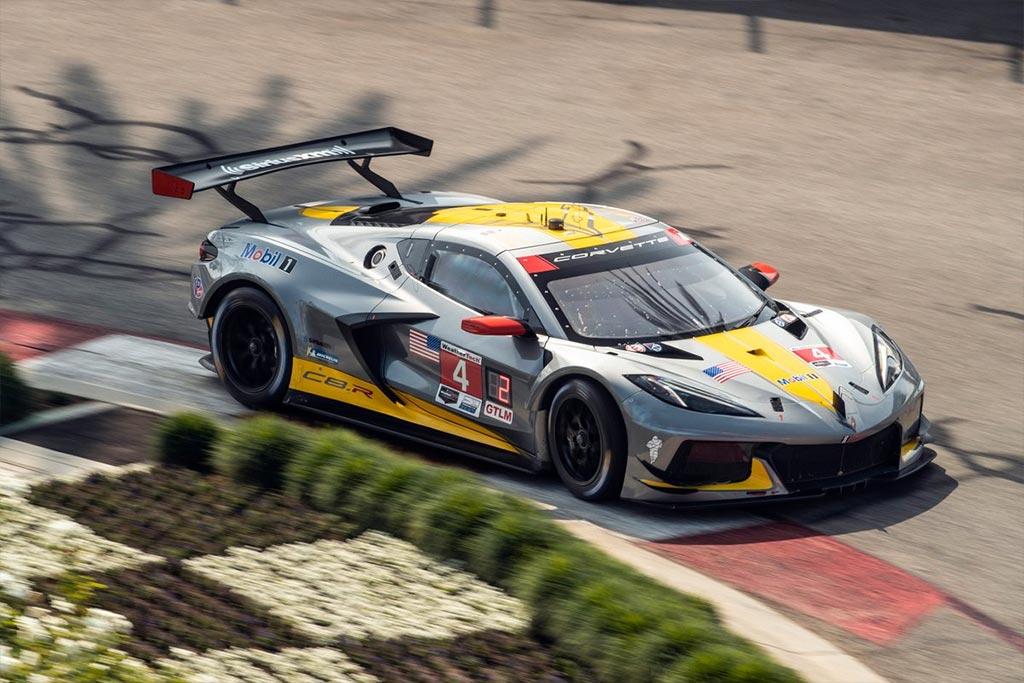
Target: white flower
x: 38, y: 678
x: 102, y: 622
x: 291, y: 665
x: 7, y: 660
x: 30, y: 629
x: 61, y: 605
x: 30, y: 658
x: 62, y: 527
x: 13, y: 586
x: 375, y: 585
x: 37, y: 542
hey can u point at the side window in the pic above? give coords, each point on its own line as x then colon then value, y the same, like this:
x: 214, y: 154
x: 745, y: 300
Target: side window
x: 413, y: 253
x: 473, y: 282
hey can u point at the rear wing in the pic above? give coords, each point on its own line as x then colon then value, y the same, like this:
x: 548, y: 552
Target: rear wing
x: 221, y: 173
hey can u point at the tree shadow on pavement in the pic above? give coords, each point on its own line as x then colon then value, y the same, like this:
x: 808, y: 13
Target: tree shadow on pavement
x: 75, y: 202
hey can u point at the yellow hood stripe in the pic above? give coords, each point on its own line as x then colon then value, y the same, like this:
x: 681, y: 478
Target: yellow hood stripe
x: 772, y: 361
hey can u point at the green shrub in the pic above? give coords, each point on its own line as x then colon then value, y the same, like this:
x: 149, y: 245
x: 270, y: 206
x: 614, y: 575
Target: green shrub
x: 15, y: 396
x: 258, y: 451
x: 511, y: 538
x: 187, y: 440
x: 381, y: 502
x: 727, y: 664
x: 445, y: 522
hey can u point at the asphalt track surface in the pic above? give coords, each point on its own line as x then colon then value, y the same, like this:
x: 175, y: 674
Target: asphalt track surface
x: 875, y: 159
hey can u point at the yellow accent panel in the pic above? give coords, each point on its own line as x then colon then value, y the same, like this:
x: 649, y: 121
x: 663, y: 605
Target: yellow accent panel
x: 321, y: 380
x: 326, y: 212
x: 583, y: 226
x: 759, y: 480
x: 910, y: 448
x: 772, y: 361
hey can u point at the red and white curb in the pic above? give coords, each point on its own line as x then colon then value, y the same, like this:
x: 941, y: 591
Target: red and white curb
x: 163, y: 376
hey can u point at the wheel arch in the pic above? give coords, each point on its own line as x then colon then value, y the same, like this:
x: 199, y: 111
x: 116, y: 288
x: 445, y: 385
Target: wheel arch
x: 227, y: 285
x: 546, y: 394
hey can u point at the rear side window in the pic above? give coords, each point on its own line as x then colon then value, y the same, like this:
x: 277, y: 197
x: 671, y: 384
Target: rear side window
x: 473, y: 282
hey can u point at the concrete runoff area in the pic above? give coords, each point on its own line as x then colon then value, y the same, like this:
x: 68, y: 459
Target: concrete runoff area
x: 876, y: 164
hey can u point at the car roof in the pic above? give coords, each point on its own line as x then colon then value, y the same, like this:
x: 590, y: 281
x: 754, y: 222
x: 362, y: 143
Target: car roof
x: 491, y: 225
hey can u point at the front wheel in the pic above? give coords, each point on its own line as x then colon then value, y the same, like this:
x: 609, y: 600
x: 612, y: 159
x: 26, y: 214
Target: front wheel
x: 586, y: 442
x: 251, y: 349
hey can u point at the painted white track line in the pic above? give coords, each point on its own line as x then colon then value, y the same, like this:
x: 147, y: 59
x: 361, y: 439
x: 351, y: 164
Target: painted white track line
x: 55, y: 415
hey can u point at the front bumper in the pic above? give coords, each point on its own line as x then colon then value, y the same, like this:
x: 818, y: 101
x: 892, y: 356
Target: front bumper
x: 892, y: 450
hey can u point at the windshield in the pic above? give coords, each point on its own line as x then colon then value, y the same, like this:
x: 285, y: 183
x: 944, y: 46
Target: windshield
x: 666, y: 291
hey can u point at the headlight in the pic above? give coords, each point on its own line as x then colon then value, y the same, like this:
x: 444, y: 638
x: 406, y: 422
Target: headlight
x: 689, y: 398
x: 888, y: 359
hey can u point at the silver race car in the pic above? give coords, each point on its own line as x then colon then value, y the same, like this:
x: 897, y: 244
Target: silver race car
x: 599, y: 341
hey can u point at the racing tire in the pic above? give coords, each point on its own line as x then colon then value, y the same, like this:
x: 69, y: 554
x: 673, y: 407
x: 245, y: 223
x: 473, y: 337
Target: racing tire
x: 251, y: 348
x: 586, y: 442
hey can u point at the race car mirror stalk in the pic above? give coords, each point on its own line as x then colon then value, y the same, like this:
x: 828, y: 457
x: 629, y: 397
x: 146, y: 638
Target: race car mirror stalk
x: 496, y: 326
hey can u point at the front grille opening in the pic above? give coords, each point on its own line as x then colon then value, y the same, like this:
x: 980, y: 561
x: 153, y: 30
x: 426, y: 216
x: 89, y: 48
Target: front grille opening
x: 698, y: 463
x: 798, y: 464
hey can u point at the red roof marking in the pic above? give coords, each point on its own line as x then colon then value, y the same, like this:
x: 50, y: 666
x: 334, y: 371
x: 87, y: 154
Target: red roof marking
x: 814, y: 574
x: 677, y: 236
x: 536, y: 264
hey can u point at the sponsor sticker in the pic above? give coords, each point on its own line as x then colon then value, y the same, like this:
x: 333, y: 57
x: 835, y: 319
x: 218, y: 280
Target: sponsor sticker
x: 820, y: 356
x: 457, y: 400
x: 784, y: 319
x: 327, y: 152
x: 267, y: 256
x: 637, y: 347
x: 653, y: 448
x: 320, y: 354
x: 796, y: 378
x: 498, y: 412
x: 723, y: 372
x: 197, y: 288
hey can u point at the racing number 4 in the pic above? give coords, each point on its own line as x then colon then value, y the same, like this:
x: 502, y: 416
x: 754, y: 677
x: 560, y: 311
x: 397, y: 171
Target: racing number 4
x: 459, y: 375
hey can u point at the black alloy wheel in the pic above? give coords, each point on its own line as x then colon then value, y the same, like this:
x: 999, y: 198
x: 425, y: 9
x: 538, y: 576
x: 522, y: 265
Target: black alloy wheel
x: 251, y: 348
x: 586, y: 441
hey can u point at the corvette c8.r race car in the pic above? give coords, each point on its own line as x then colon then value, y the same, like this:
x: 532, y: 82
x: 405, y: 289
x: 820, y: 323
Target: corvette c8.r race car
x: 601, y: 342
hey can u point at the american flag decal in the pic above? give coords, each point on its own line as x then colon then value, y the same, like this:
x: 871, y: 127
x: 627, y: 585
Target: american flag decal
x: 425, y: 345
x: 726, y: 371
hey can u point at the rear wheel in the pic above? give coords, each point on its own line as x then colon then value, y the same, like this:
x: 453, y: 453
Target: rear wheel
x: 585, y: 441
x: 251, y: 348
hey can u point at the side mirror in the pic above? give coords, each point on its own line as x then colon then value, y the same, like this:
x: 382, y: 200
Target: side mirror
x: 761, y: 274
x: 495, y: 326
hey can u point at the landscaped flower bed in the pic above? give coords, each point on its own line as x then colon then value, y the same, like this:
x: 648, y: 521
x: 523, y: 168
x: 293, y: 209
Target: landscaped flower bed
x: 274, y: 611
x: 355, y: 565
x: 185, y: 514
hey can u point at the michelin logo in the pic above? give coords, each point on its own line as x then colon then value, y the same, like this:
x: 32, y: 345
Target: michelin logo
x: 318, y: 354
x: 242, y: 169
